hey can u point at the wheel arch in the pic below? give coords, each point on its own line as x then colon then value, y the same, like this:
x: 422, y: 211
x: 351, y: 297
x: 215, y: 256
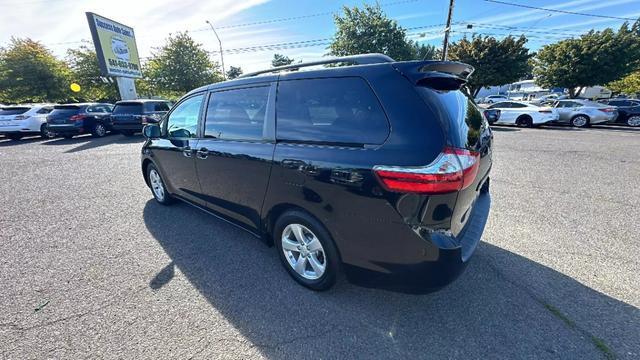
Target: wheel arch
x: 276, y: 211
x: 145, y: 165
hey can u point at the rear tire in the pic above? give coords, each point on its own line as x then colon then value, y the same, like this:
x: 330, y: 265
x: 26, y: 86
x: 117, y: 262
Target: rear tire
x: 45, y: 133
x: 580, y: 121
x: 633, y: 120
x: 524, y: 120
x: 98, y: 130
x: 127, y: 132
x: 306, y: 250
x: 14, y: 137
x: 158, y: 189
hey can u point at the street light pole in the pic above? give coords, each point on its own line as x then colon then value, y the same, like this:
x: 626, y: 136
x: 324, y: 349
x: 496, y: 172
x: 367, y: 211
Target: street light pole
x: 445, y: 45
x: 224, y: 73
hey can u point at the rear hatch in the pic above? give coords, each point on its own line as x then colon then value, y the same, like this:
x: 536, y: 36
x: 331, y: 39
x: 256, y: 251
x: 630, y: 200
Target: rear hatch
x: 467, y: 154
x: 127, y: 113
x: 63, y: 114
x: 12, y: 115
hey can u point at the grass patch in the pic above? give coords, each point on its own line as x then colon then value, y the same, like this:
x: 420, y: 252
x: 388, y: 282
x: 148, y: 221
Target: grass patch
x: 600, y: 345
x: 597, y: 342
x: 555, y: 311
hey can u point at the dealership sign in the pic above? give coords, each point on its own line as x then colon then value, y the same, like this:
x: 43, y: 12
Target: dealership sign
x: 115, y: 47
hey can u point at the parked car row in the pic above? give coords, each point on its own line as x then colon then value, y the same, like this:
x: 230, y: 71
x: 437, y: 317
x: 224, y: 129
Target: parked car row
x: 69, y: 120
x: 575, y: 112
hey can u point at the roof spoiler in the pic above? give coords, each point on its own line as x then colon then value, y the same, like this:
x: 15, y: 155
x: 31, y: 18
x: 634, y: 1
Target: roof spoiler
x: 438, y: 75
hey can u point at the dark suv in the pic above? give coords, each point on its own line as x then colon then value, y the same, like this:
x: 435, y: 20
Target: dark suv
x: 74, y: 119
x: 130, y: 116
x: 379, y: 169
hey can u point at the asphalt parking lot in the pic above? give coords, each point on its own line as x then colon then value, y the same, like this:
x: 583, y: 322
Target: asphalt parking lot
x: 91, y: 267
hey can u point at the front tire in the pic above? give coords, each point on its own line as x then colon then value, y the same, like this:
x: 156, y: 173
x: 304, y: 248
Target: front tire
x: 580, y: 121
x: 633, y: 120
x: 158, y: 189
x: 98, y: 131
x: 45, y: 133
x: 306, y: 250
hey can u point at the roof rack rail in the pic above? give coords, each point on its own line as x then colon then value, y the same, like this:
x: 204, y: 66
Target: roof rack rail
x: 363, y: 59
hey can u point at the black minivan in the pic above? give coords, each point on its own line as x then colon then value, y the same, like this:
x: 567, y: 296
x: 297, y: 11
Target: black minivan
x: 378, y: 169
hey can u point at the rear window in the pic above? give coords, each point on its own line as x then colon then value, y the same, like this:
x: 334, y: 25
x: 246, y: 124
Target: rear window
x: 14, y: 111
x: 337, y: 110
x: 156, y: 106
x: 128, y: 108
x: 65, y: 110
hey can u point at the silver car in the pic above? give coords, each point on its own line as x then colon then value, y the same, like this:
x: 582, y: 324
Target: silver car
x: 581, y: 113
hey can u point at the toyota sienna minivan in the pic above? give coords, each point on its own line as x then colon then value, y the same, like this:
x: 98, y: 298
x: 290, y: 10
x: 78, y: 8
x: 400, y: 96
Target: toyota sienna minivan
x: 377, y: 169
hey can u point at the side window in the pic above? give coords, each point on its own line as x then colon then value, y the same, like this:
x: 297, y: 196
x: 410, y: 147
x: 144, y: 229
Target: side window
x: 518, y: 105
x: 44, y: 110
x: 183, y: 120
x: 337, y: 110
x: 237, y: 114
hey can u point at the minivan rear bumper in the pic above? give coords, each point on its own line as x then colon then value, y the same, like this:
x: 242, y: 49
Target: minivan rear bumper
x: 445, y: 264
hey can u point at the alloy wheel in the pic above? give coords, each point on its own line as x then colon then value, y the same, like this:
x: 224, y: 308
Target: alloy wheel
x: 580, y: 121
x: 303, y: 251
x: 633, y: 120
x: 100, y: 131
x: 156, y: 184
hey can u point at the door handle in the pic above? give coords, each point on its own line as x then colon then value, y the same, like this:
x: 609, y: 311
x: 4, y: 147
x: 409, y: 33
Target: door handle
x: 186, y: 151
x: 202, y: 153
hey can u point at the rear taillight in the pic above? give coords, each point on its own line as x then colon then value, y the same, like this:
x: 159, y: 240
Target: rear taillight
x: 21, y: 117
x: 607, y: 110
x: 77, y: 117
x: 454, y: 169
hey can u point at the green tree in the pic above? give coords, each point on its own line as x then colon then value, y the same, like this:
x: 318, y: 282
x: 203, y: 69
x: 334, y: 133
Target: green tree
x: 369, y: 30
x: 234, y: 72
x: 497, y: 62
x: 629, y: 84
x: 180, y: 66
x: 596, y: 58
x: 86, y: 72
x: 425, y: 52
x: 30, y: 73
x: 281, y: 60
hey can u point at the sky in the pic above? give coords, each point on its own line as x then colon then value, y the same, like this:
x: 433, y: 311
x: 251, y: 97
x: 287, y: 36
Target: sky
x: 304, y: 26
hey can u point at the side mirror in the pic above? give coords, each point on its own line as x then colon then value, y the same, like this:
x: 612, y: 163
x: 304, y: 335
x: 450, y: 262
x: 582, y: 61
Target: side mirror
x: 151, y: 131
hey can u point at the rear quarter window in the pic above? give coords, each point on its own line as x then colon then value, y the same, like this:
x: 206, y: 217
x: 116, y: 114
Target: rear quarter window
x: 128, y: 108
x: 331, y: 111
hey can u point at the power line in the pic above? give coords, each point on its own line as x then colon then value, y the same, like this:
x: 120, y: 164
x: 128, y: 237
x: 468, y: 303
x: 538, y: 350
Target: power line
x: 292, y: 18
x: 559, y: 11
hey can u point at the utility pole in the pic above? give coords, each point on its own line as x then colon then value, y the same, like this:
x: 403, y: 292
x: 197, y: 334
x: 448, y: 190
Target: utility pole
x: 445, y: 45
x: 224, y: 72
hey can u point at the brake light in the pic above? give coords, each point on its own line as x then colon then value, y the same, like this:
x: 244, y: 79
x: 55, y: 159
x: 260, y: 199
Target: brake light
x: 77, y: 117
x: 454, y: 169
x: 607, y: 110
x: 21, y: 117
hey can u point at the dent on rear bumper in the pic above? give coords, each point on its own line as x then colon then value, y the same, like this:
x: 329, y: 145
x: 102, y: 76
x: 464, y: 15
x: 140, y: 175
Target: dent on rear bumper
x: 445, y: 258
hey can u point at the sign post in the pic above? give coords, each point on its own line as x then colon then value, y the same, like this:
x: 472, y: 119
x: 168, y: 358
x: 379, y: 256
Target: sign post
x: 117, y: 53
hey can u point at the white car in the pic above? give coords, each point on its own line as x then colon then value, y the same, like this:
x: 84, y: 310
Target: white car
x: 16, y: 121
x: 495, y: 98
x: 524, y: 114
